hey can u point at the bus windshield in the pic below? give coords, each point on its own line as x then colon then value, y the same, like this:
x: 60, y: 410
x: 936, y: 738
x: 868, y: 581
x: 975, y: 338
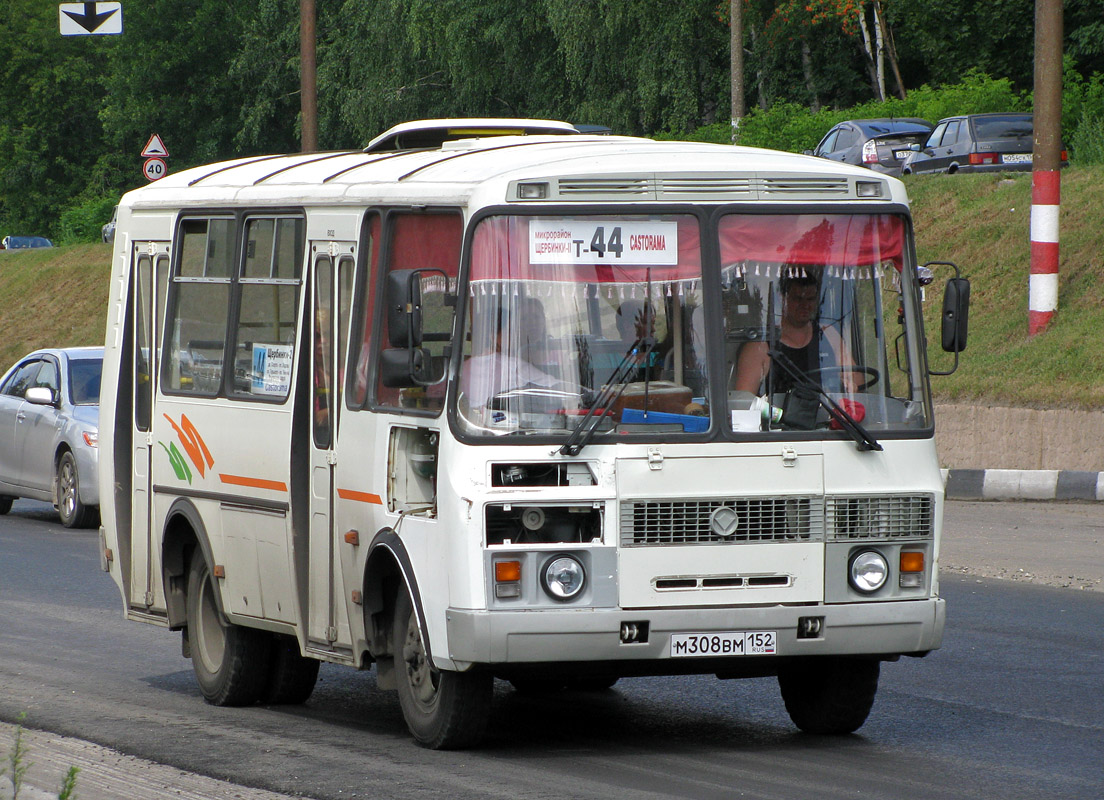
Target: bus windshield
x: 601, y: 321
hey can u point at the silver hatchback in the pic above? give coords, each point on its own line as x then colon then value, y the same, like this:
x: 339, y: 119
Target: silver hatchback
x: 49, y: 423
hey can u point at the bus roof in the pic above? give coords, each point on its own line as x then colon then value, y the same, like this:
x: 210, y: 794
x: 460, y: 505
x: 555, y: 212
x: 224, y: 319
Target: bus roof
x: 576, y: 167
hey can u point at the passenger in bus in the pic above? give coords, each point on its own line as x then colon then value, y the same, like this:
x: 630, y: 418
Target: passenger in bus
x: 810, y: 348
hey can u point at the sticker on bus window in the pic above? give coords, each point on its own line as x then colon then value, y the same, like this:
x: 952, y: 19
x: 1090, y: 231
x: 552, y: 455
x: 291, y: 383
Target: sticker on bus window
x: 586, y: 241
x: 272, y: 368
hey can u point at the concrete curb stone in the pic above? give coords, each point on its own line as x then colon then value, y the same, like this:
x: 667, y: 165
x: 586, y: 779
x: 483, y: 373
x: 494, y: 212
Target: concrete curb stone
x: 1023, y: 484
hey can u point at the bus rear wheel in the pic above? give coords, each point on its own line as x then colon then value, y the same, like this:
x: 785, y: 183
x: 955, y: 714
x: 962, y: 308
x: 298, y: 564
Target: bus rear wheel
x: 292, y: 676
x: 231, y: 663
x: 829, y: 696
x: 444, y: 710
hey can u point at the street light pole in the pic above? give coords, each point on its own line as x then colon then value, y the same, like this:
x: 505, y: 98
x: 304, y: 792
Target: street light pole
x: 1046, y: 166
x: 308, y: 85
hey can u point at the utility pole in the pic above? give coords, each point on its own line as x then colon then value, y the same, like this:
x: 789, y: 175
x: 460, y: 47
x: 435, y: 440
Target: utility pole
x: 736, y: 36
x: 308, y: 78
x: 1046, y: 166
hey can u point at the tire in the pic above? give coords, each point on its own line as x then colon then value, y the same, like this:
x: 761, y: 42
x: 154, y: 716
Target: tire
x: 444, y: 710
x: 5, y: 504
x: 829, y: 696
x: 73, y: 513
x: 232, y: 664
x: 292, y: 676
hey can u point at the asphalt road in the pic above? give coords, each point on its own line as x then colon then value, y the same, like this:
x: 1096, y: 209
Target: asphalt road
x: 1010, y: 707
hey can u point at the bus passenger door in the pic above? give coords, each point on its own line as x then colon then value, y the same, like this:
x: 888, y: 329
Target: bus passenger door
x: 331, y: 293
x: 151, y: 269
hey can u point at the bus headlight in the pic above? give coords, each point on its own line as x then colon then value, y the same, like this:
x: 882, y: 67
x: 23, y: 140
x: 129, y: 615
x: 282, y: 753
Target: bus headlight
x: 563, y: 577
x: 868, y: 571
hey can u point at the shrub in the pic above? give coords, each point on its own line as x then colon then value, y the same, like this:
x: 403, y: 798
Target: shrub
x: 82, y: 222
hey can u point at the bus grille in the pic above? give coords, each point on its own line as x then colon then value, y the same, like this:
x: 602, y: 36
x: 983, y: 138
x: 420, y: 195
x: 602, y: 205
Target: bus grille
x: 621, y: 186
x: 880, y: 517
x: 804, y: 187
x: 680, y: 522
x: 650, y: 523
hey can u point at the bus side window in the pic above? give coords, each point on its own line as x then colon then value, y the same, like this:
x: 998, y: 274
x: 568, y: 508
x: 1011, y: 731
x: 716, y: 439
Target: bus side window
x: 425, y: 241
x: 270, y: 279
x: 201, y: 301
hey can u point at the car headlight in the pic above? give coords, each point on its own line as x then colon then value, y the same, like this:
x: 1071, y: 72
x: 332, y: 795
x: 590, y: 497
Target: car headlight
x: 868, y: 571
x: 563, y: 577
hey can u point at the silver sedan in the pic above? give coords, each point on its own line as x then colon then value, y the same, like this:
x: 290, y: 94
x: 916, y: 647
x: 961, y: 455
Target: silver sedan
x: 49, y: 423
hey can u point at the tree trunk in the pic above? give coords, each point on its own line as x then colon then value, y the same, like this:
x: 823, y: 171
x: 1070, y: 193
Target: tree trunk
x: 807, y: 71
x: 891, y: 49
x: 760, y: 81
x: 868, y: 52
x: 879, y: 50
x: 736, y: 36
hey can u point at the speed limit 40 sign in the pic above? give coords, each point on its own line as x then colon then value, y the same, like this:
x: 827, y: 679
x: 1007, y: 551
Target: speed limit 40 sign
x: 155, y: 168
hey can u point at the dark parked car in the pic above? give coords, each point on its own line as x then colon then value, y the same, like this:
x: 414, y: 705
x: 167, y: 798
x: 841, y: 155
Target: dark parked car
x: 976, y: 143
x: 49, y: 432
x: 879, y: 144
x: 25, y: 242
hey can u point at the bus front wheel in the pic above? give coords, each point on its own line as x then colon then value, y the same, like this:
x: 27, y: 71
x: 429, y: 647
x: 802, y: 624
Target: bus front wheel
x: 231, y: 663
x: 828, y: 695
x: 444, y: 710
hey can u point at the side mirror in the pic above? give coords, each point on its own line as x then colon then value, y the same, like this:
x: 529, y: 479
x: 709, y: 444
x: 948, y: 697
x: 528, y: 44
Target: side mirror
x: 956, y: 313
x: 402, y: 367
x: 404, y: 308
x: 39, y: 396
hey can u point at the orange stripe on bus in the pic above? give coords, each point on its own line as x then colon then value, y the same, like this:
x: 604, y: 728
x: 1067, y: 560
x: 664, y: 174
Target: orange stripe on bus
x: 361, y: 497
x: 253, y: 483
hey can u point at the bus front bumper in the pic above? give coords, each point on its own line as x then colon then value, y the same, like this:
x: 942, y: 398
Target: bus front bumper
x: 593, y: 635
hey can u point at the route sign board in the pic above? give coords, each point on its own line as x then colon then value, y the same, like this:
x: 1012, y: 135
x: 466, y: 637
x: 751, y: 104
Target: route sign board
x: 90, y: 19
x: 155, y: 168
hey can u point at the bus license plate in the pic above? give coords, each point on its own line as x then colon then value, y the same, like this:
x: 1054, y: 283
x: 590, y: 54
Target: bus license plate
x: 724, y: 643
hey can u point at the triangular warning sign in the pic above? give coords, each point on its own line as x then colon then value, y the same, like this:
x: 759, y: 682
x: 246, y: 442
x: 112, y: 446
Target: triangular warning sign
x: 155, y: 148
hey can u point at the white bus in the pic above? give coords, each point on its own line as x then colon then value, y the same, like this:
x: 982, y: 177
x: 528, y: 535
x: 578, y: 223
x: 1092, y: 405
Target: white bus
x: 499, y: 399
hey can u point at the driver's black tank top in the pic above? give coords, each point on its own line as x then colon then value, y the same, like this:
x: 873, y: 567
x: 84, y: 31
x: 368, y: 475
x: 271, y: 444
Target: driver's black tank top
x: 803, y: 359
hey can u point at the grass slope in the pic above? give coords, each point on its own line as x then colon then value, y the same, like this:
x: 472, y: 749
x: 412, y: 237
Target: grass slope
x: 980, y: 222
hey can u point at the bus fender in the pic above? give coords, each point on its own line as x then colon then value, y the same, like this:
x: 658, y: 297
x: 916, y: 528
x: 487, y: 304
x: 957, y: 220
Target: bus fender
x: 184, y: 531
x: 387, y: 571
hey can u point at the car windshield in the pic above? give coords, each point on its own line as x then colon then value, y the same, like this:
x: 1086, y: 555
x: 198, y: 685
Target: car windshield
x: 580, y: 326
x: 84, y: 381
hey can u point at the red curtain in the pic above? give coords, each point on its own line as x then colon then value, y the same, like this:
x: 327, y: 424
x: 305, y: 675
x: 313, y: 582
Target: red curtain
x: 846, y: 240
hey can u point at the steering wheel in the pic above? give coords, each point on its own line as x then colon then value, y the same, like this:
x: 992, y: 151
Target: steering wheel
x: 872, y: 374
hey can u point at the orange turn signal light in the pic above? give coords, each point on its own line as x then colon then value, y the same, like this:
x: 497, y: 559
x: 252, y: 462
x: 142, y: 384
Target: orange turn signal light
x: 912, y: 562
x: 507, y: 571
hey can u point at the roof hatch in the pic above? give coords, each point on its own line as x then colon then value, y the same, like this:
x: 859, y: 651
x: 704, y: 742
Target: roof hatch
x: 431, y: 133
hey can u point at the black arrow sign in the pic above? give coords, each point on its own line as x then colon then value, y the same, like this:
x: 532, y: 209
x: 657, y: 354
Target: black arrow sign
x: 89, y: 19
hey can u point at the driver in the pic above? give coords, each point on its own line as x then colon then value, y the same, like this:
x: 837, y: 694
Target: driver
x: 809, y: 346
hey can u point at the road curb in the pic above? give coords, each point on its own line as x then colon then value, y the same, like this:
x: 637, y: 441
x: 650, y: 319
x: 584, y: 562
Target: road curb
x: 1023, y: 484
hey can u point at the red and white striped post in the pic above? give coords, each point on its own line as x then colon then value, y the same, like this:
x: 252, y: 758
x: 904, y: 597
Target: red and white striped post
x: 1043, y: 283
x: 1045, y: 166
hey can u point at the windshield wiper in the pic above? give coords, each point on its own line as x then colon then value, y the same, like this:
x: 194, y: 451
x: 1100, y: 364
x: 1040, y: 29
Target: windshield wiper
x: 860, y: 434
x: 614, y: 388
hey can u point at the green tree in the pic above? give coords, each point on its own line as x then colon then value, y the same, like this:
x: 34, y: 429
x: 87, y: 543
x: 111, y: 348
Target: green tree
x: 50, y: 134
